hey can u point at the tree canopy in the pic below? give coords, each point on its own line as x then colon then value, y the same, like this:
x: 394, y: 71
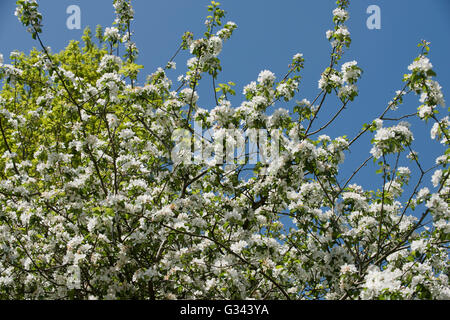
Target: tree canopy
x: 111, y: 189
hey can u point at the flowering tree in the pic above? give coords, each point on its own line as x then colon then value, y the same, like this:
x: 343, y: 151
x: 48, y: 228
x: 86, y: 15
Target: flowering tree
x: 101, y: 199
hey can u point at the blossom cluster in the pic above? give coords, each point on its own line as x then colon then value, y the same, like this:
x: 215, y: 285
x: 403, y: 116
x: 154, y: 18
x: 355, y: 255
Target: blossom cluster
x: 28, y: 14
x: 391, y: 140
x: 343, y: 82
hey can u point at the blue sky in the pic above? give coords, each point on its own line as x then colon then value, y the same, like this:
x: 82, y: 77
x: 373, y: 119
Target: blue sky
x: 269, y: 33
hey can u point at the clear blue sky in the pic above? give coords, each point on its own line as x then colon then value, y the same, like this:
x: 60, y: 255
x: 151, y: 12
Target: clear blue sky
x: 269, y: 33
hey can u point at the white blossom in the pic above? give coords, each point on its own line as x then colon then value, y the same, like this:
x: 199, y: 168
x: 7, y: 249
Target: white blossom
x: 266, y: 78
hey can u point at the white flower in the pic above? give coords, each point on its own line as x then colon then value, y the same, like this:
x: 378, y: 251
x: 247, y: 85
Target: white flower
x: 443, y: 225
x: 322, y: 82
x: 113, y: 122
x: 266, y: 77
x: 433, y: 95
x: 1, y: 59
x: 422, y: 64
x: 377, y: 281
x: 259, y: 100
x: 337, y: 79
x: 110, y: 80
x: 74, y: 242
x: 231, y: 24
x: 436, y: 131
x: 112, y: 34
x: 250, y: 88
x: 189, y: 96
x: 350, y: 73
x: 287, y: 90
x: 436, y: 178
x: 298, y: 57
x: 442, y: 159
x: 227, y: 30
x: 126, y: 134
x: 399, y: 135
x: 412, y: 155
x: 425, y: 111
x: 171, y: 65
x: 438, y: 205
x: 347, y: 90
x: 324, y: 138
x: 404, y: 171
x: 196, y: 44
x: 342, y: 30
x: 378, y: 123
x: 419, y: 245
x: 124, y: 11
x: 348, y: 268
x: 192, y: 62
x: 329, y: 34
x: 278, y: 116
x: 238, y: 246
x: 435, y: 92
x: 210, y: 283
x: 109, y: 61
x: 92, y: 223
x: 77, y: 257
x: 215, y: 45
x: 341, y: 14
x: 222, y: 113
